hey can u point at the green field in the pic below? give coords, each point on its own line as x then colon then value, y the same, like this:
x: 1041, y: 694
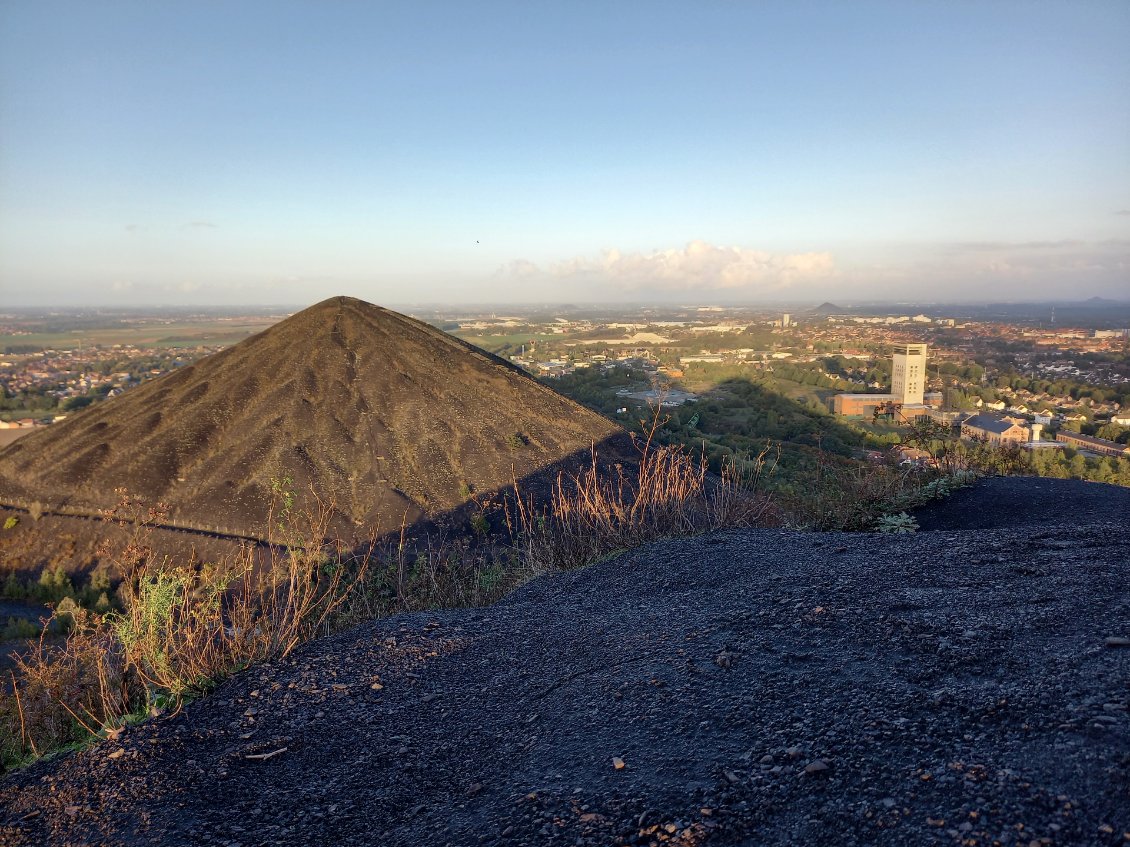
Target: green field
x: 157, y: 334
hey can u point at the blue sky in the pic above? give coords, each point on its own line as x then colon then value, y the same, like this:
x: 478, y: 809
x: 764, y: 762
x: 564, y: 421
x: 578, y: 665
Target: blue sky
x: 274, y: 152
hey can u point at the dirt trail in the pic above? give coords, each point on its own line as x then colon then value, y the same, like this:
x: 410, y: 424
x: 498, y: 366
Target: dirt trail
x: 757, y: 687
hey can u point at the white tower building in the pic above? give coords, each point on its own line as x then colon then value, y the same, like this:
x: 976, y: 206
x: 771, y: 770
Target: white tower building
x: 908, y: 374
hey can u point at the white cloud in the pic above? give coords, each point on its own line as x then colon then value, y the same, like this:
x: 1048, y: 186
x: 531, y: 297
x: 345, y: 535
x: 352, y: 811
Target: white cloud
x: 699, y: 266
x: 183, y: 287
x: 1066, y: 260
x: 521, y: 269
x: 979, y: 270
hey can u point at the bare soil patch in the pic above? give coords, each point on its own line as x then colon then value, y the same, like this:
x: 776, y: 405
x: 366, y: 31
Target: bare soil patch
x: 7, y: 436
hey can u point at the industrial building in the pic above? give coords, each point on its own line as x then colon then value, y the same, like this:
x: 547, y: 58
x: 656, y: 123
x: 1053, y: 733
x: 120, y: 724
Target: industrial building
x: 908, y: 388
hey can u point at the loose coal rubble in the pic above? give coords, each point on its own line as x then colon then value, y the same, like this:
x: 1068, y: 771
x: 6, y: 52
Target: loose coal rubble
x: 957, y: 687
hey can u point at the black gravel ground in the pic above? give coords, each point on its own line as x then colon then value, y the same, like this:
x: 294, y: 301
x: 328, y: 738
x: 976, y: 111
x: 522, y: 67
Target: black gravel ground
x: 743, y: 688
x: 1012, y: 501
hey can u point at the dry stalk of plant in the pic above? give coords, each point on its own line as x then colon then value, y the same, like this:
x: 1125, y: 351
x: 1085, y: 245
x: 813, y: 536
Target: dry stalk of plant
x: 594, y: 512
x: 80, y: 681
x: 183, y: 627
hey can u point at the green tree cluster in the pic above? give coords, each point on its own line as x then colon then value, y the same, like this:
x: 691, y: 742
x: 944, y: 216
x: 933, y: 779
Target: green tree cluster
x: 55, y: 585
x: 1070, y: 464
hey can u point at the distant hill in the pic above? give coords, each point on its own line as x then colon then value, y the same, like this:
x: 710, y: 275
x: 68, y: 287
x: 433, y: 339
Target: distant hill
x: 826, y: 308
x: 383, y: 415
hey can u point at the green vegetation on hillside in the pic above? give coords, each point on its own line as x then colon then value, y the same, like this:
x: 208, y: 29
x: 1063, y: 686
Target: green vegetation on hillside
x: 1071, y: 464
x: 740, y: 410
x: 53, y: 585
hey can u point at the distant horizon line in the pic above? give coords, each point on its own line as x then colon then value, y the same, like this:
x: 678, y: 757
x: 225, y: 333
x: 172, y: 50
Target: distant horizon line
x: 572, y: 304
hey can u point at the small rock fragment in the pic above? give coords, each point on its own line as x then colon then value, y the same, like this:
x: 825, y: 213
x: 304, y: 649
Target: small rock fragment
x: 265, y: 757
x: 618, y: 763
x: 1116, y: 641
x: 818, y: 766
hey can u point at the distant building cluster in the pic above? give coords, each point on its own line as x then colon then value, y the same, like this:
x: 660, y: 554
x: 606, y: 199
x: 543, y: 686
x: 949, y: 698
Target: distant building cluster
x: 908, y: 399
x: 908, y: 388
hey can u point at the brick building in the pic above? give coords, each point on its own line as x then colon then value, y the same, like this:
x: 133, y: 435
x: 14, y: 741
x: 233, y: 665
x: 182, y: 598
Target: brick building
x: 1093, y: 445
x: 994, y: 430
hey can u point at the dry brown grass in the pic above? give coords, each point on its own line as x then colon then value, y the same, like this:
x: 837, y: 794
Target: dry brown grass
x: 668, y: 493
x: 182, y: 629
x: 184, y: 626
x: 434, y: 572
x: 61, y: 691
